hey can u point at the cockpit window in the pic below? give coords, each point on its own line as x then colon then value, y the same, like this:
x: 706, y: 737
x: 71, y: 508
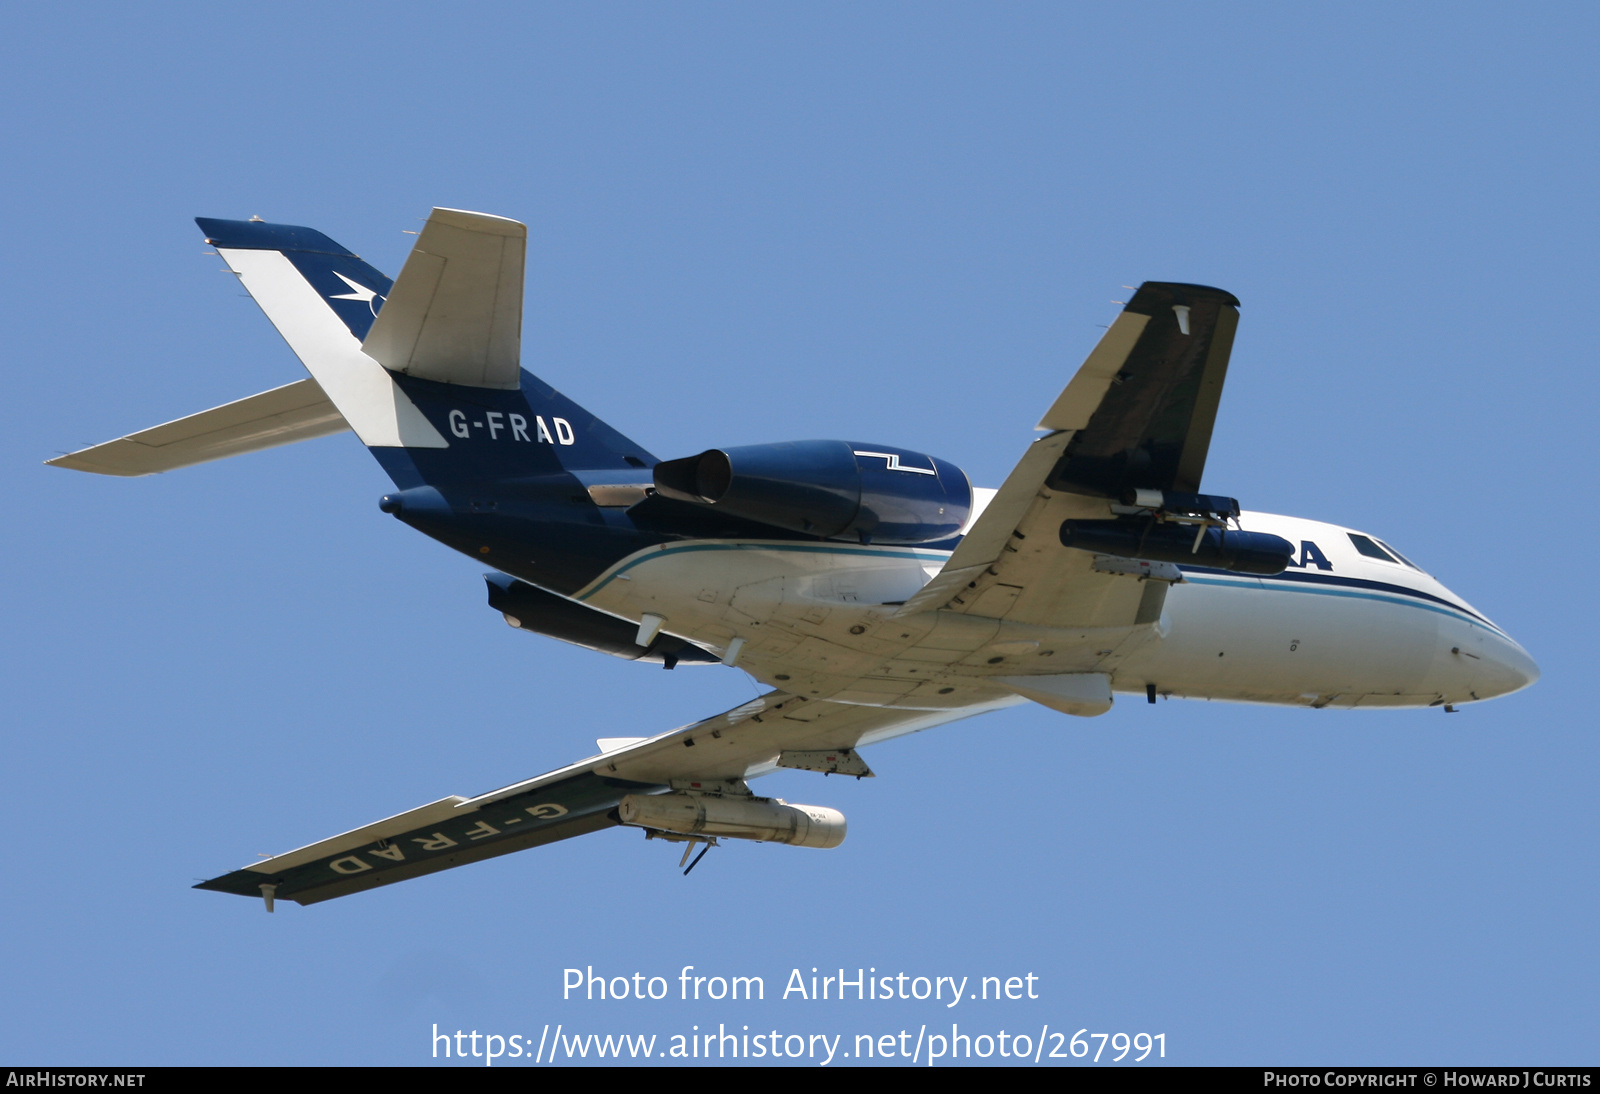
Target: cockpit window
x: 1371, y: 549
x: 1401, y: 557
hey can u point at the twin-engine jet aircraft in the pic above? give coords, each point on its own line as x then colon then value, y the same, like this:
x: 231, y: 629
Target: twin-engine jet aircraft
x: 874, y: 589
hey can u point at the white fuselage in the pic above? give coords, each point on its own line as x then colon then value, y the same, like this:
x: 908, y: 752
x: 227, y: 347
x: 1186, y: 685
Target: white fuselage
x: 1336, y: 629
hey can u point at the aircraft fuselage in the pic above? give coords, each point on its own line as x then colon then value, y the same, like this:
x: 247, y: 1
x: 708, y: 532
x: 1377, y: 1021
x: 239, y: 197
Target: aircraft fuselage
x: 1338, y: 628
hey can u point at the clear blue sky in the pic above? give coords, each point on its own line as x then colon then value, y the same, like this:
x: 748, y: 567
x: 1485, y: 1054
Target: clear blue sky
x: 767, y: 222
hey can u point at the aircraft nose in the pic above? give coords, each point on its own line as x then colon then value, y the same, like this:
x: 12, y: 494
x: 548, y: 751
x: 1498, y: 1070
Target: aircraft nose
x: 1506, y: 668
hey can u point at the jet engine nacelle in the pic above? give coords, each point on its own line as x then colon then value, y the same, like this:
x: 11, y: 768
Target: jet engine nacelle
x: 770, y: 820
x: 831, y: 489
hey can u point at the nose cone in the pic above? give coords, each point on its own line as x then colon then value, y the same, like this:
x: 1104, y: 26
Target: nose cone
x: 1506, y: 667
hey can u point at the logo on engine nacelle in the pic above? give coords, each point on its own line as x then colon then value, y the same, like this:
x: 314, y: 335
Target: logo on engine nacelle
x: 892, y: 462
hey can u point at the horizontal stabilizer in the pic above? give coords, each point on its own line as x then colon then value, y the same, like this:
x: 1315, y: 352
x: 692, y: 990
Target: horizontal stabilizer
x: 455, y: 312
x: 294, y: 412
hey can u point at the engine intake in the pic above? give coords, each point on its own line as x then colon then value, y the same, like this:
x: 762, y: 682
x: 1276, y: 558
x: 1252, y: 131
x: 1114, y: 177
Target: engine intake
x: 829, y: 489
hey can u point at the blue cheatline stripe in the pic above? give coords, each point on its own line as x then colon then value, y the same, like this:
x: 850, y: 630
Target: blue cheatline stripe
x: 1346, y: 582
x: 1406, y: 597
x: 1378, y: 586
x: 799, y: 548
x: 1350, y: 587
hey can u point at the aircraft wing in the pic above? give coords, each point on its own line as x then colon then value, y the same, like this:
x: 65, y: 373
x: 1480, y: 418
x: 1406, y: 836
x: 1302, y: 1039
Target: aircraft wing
x: 294, y: 412
x: 749, y: 740
x: 1138, y: 415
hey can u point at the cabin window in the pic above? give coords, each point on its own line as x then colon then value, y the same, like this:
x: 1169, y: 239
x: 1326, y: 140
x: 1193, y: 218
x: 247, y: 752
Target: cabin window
x: 1371, y: 549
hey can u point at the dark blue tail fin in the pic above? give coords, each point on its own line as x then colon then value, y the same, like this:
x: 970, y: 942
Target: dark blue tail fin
x: 424, y: 368
x: 496, y: 435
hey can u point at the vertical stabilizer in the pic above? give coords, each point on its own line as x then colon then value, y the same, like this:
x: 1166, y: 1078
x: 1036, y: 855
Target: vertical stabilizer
x: 323, y: 299
x: 424, y: 368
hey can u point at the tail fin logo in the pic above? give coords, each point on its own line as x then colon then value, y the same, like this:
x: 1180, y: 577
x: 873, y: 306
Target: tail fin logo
x: 359, y: 292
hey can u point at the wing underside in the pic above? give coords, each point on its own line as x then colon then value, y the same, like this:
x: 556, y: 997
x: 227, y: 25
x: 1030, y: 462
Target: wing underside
x: 1138, y: 415
x: 575, y: 800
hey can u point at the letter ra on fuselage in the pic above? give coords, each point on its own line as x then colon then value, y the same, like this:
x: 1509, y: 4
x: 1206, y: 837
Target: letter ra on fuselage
x: 1311, y: 555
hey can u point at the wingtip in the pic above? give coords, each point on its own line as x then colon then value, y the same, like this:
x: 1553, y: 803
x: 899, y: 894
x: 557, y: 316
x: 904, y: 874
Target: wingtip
x: 73, y: 461
x: 1159, y: 294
